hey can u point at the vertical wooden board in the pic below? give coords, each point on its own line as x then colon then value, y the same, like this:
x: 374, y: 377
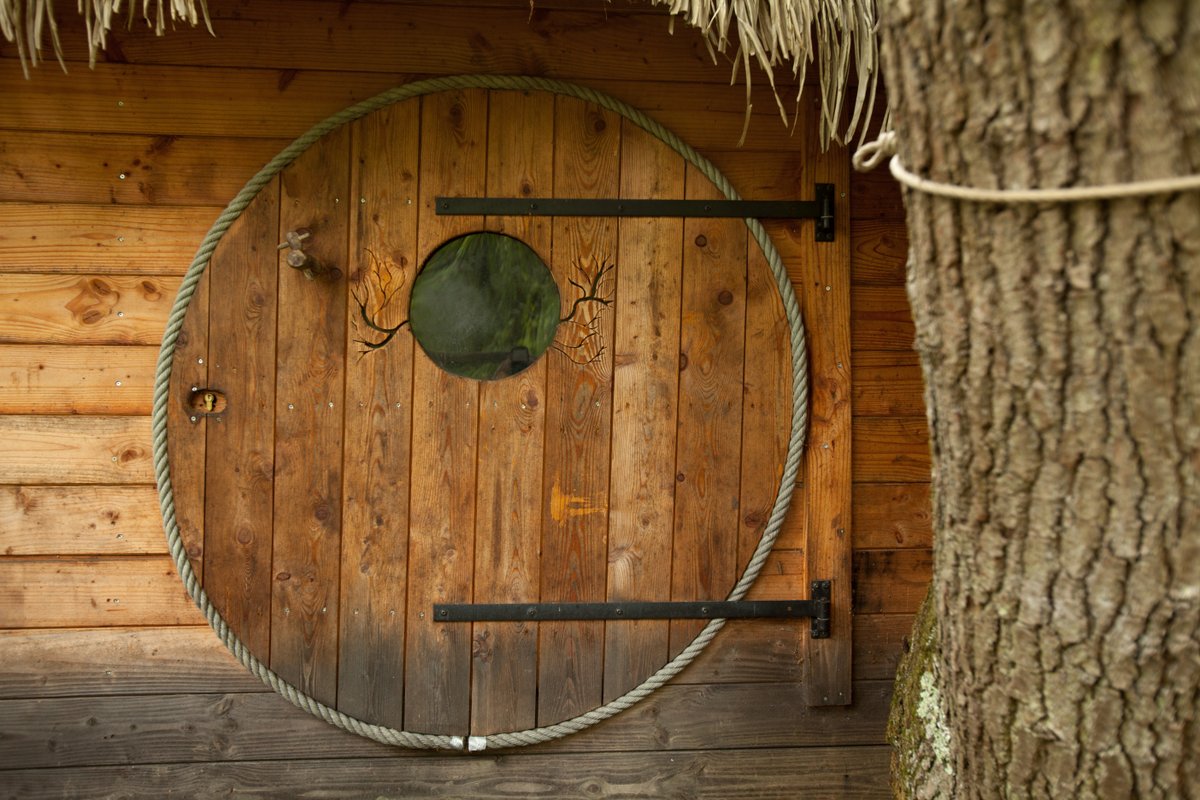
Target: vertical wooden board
x: 383, y: 257
x: 766, y: 403
x: 587, y: 141
x: 645, y: 408
x: 825, y: 297
x: 708, y: 454
x: 186, y: 428
x: 512, y: 419
x: 239, y: 492
x: 309, y: 387
x: 437, y: 678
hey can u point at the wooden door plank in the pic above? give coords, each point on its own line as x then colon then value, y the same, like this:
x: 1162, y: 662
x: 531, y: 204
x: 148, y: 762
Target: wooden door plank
x: 309, y: 390
x: 84, y: 309
x: 793, y: 535
x: 80, y: 520
x: 61, y: 592
x: 766, y: 404
x: 708, y: 454
x: 86, y: 662
x: 64, y: 379
x: 825, y: 298
x: 49, y: 167
x: 645, y: 410
x: 187, y: 428
x: 512, y: 431
x: 441, y: 551
x: 748, y: 651
x: 885, y: 516
x: 891, y: 450
x: 63, y: 450
x: 587, y: 142
x: 240, y: 442
x: 747, y: 774
x: 109, y: 239
x: 378, y: 428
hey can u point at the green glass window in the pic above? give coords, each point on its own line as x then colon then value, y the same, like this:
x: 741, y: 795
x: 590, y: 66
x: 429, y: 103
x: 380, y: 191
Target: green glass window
x: 484, y: 306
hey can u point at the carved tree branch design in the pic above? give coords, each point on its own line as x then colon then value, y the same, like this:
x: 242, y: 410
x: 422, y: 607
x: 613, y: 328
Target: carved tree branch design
x: 595, y: 290
x: 576, y: 335
x: 389, y: 288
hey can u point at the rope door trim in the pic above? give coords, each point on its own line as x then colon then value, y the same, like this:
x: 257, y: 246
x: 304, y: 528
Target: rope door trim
x: 408, y: 739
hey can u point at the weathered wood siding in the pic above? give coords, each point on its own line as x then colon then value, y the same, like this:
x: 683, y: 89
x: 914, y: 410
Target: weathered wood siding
x: 109, y: 680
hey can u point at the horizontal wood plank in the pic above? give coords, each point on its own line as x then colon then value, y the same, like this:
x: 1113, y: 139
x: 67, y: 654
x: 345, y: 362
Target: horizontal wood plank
x: 891, y: 581
x: 875, y: 195
x: 111, y: 239
x: 85, y: 309
x: 878, y: 252
x: 891, y: 450
x: 48, y: 167
x: 760, y: 650
x: 86, y: 592
x: 887, y: 383
x: 881, y: 318
x: 61, y: 662
x: 62, y: 379
x: 879, y: 642
x: 858, y: 772
x: 80, y: 520
x: 108, y: 730
x: 178, y: 101
x: 892, y: 516
x: 886, y: 516
x: 63, y: 450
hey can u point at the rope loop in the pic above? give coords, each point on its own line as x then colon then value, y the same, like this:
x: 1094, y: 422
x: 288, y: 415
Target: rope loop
x: 386, y: 735
x: 872, y: 154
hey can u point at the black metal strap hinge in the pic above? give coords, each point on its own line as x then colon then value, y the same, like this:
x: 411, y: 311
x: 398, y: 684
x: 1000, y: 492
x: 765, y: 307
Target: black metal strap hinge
x: 820, y: 209
x: 816, y: 608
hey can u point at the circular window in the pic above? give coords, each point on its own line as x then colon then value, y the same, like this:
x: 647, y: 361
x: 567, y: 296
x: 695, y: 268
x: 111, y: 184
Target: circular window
x: 484, y: 306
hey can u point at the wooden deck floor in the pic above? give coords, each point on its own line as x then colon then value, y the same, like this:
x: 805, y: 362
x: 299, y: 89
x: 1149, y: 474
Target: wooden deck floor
x: 110, y: 683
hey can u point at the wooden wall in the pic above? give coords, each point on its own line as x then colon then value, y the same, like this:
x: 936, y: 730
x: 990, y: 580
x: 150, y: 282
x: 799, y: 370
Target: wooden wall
x: 110, y: 682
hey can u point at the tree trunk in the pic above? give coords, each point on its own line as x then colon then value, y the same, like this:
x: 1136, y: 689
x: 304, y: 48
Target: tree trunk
x: 1061, y: 352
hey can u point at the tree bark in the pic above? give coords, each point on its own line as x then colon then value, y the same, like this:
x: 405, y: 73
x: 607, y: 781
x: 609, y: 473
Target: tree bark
x: 1061, y: 353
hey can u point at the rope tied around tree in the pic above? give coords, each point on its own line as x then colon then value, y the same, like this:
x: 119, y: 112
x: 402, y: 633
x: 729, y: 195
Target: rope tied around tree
x: 885, y: 147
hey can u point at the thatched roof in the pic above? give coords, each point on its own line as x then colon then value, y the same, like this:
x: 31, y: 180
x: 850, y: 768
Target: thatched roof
x: 775, y: 34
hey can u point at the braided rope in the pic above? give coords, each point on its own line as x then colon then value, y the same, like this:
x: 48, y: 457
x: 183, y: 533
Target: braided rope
x: 166, y: 358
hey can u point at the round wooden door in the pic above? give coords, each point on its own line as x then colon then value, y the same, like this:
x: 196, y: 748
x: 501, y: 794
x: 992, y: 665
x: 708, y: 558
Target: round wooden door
x: 337, y: 482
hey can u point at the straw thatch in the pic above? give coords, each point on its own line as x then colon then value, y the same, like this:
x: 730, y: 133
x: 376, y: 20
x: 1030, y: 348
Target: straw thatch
x: 770, y: 33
